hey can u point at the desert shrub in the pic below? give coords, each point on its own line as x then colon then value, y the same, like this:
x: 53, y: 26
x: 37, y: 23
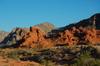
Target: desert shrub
x: 13, y: 55
x: 17, y: 54
x: 48, y: 63
x: 86, y: 59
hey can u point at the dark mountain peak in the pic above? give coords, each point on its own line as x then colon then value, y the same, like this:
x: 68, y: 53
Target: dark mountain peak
x: 95, y: 19
x: 96, y: 15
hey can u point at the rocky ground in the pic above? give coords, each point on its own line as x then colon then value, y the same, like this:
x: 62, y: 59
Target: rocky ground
x: 12, y: 62
x: 55, y: 56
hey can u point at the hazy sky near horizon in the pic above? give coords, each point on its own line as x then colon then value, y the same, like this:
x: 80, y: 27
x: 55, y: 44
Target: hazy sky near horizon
x: 26, y: 13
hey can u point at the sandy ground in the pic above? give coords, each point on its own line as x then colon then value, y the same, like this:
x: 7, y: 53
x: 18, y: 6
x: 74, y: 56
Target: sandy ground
x: 11, y: 62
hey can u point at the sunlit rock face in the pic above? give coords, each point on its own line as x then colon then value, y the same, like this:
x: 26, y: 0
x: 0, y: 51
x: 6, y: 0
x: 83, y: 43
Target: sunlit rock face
x: 76, y: 36
x: 84, y: 32
x: 36, y: 37
x: 28, y: 37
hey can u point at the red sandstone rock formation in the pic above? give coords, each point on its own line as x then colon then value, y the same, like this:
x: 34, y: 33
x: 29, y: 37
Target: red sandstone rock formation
x: 77, y: 36
x: 84, y: 32
x: 27, y: 36
x: 35, y: 38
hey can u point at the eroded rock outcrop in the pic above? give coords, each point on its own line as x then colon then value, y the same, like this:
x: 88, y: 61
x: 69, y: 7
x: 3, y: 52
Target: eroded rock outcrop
x: 43, y: 36
x: 83, y: 32
x: 28, y: 37
x: 76, y: 36
x: 14, y: 37
x: 35, y: 39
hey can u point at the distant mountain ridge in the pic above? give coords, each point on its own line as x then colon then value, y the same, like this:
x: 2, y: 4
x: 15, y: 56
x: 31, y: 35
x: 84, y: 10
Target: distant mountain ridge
x: 46, y: 26
x: 3, y: 34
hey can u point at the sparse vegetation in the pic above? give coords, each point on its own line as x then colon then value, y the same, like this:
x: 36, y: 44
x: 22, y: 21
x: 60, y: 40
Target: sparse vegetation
x: 64, y: 56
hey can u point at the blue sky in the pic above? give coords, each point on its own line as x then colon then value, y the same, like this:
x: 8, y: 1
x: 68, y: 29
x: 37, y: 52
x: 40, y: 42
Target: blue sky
x: 26, y: 13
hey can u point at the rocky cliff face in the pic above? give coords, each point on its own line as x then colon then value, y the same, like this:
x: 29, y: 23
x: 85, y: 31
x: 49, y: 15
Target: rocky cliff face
x: 26, y: 36
x: 76, y: 36
x: 84, y: 32
x: 14, y: 36
x: 35, y: 38
x: 44, y: 35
